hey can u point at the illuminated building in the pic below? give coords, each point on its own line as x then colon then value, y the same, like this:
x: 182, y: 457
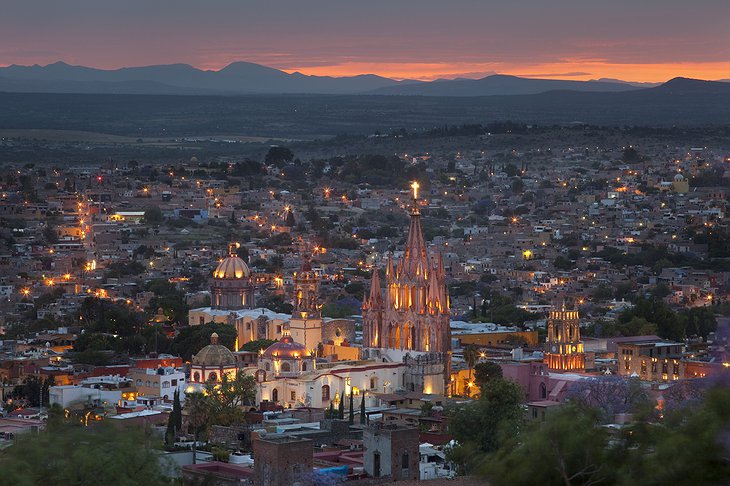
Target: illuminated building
x: 305, y: 325
x: 411, y: 322
x: 232, y: 286
x: 212, y: 362
x: 563, y: 347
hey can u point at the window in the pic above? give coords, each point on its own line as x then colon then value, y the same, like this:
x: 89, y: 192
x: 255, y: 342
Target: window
x: 304, y: 366
x: 173, y: 383
x: 293, y: 396
x: 653, y: 366
x: 165, y: 384
x: 213, y: 377
x: 139, y: 382
x: 201, y: 320
x: 275, y: 395
x: 675, y: 369
x: 267, y: 366
x: 325, y: 393
x: 196, y: 376
x: 373, y: 384
x: 543, y: 391
x: 404, y: 461
x: 664, y: 367
x: 278, y: 329
x: 285, y: 367
x: 643, y: 366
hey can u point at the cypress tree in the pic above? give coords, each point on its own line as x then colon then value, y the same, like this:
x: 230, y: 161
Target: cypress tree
x: 177, y: 411
x: 341, y: 406
x: 352, y: 409
x: 362, y: 409
x: 331, y: 411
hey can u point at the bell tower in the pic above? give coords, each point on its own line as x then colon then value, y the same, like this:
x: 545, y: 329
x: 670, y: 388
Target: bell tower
x: 306, y: 320
x: 563, y: 347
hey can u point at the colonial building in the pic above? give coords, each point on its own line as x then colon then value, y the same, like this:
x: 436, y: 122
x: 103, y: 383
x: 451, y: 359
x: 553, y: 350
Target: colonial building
x: 232, y: 286
x: 211, y: 363
x: 305, y: 325
x: 411, y: 322
x: 563, y: 348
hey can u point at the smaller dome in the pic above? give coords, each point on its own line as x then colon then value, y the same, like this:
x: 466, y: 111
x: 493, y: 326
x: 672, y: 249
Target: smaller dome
x: 286, y: 348
x: 214, y: 354
x: 679, y: 177
x: 232, y: 267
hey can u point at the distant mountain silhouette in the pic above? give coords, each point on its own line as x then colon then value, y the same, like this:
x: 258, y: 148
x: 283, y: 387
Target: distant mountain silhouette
x: 500, y: 84
x: 236, y: 78
x: 249, y: 78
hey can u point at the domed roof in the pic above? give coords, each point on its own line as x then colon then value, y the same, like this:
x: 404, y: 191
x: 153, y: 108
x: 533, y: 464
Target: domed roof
x: 286, y: 348
x: 679, y: 177
x: 232, y: 267
x: 214, y: 354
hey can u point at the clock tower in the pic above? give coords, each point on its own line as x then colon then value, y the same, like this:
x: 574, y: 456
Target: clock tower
x: 563, y: 348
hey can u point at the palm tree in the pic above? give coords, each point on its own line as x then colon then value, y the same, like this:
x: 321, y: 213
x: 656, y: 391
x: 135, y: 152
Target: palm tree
x: 471, y: 356
x: 198, y: 410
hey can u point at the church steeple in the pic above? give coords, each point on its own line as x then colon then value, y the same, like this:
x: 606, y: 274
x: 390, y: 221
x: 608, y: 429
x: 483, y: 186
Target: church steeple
x: 415, y: 260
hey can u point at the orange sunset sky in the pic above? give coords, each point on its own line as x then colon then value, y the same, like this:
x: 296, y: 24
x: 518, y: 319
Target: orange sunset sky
x: 633, y: 40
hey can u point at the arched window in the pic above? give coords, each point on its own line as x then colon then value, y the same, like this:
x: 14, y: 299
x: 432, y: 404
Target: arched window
x: 147, y: 383
x: 275, y: 395
x: 213, y: 377
x: 196, y: 376
x: 304, y: 366
x: 325, y: 393
x: 165, y: 384
x: 267, y: 366
x: 543, y: 391
x: 373, y: 383
x: 139, y: 382
x: 285, y: 367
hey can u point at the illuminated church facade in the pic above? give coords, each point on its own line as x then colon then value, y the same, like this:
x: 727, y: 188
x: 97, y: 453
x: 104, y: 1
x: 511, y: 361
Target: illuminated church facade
x: 563, y: 347
x: 410, y: 320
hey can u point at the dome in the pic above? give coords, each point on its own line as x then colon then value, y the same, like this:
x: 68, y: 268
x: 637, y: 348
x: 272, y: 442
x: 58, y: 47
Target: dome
x: 214, y: 355
x: 232, y: 267
x: 286, y: 348
x: 679, y: 177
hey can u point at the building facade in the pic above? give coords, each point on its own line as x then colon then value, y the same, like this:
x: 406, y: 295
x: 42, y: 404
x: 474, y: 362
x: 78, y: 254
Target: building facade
x: 410, y: 322
x: 563, y: 347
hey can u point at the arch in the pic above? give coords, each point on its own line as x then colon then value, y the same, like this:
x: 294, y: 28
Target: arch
x: 213, y: 376
x: 139, y: 382
x: 285, y: 367
x: 196, y: 377
x: 373, y: 382
x: 397, y: 338
x: 304, y: 366
x: 275, y: 395
x: 325, y: 393
x: 267, y: 366
x: 391, y: 341
x: 543, y: 391
x: 165, y: 384
x: 426, y: 339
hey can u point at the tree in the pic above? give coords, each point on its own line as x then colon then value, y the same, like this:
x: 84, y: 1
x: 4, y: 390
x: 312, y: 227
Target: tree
x: 278, y: 156
x: 352, y: 408
x: 486, y: 371
x: 341, y: 406
x: 226, y: 398
x: 153, y: 215
x: 76, y: 455
x: 192, y: 339
x: 482, y: 426
x: 177, y: 411
x: 362, y: 409
x: 568, y: 449
x: 609, y: 395
x: 198, y: 411
x: 471, y: 356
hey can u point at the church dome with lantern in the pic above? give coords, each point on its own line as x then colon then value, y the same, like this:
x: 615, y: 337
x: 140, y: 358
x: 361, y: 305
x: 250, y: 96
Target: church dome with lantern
x: 286, y: 358
x: 232, y: 286
x: 212, y: 362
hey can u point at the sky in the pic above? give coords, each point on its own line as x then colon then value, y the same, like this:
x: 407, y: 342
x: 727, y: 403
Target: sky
x: 633, y: 40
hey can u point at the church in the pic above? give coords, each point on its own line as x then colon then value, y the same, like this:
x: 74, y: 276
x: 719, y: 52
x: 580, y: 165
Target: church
x: 409, y: 321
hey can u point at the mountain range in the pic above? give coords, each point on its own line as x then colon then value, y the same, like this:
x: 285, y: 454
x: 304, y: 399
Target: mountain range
x: 241, y: 78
